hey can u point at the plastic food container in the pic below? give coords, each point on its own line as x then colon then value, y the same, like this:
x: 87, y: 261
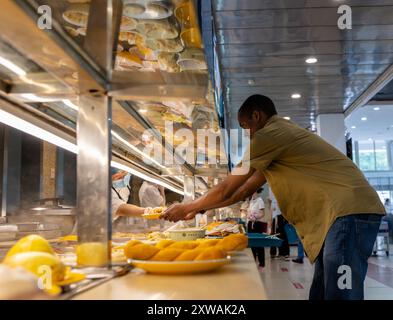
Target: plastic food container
x: 186, y: 234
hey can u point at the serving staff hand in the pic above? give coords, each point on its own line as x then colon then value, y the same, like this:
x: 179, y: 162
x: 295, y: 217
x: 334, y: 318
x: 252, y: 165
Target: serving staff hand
x: 177, y: 212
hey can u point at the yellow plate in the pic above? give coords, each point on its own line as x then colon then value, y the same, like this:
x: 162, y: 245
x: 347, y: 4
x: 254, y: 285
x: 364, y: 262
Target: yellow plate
x: 179, y: 267
x: 154, y: 216
x: 71, y: 278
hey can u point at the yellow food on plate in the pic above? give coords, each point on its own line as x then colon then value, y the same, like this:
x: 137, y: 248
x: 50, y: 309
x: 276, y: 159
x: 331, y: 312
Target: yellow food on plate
x: 212, y: 253
x: 162, y: 244
x: 157, y: 210
x: 140, y: 251
x: 168, y: 254
x: 189, y: 255
x: 40, y: 263
x: 185, y: 245
x: 233, y: 242
x: 154, y: 213
x: 30, y: 243
x: 206, y: 243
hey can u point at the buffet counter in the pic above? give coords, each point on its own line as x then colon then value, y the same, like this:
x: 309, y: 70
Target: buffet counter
x: 239, y: 280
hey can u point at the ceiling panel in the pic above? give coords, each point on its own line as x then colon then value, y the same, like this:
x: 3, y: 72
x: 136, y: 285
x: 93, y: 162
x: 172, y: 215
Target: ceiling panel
x: 286, y: 81
x: 324, y: 60
x: 224, y: 5
x: 263, y: 46
x: 305, y: 48
x: 299, y: 17
x: 243, y: 71
x: 300, y: 34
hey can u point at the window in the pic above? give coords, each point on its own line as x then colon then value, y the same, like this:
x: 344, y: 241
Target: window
x: 381, y: 155
x: 373, y: 155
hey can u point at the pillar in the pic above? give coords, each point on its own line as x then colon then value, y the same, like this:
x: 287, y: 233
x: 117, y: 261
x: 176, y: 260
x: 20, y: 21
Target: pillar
x: 331, y: 127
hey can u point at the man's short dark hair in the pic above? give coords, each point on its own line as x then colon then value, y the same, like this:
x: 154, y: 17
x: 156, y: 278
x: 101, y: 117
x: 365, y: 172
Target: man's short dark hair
x: 257, y: 102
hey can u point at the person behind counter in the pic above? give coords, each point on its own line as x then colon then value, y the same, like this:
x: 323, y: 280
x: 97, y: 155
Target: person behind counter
x: 121, y: 192
x: 320, y: 191
x: 151, y: 195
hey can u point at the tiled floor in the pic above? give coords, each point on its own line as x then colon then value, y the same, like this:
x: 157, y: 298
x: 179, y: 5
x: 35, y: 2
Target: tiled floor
x: 285, y: 280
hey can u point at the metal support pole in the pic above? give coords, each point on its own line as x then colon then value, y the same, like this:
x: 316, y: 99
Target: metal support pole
x: 4, y: 181
x: 94, y: 141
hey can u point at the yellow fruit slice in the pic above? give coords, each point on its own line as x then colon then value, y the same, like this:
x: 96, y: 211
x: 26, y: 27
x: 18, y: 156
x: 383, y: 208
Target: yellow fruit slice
x: 55, y: 290
x: 41, y: 264
x: 71, y: 278
x: 30, y: 243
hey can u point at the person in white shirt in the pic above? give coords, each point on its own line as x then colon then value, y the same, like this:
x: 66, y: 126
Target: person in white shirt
x: 120, y: 197
x: 256, y: 224
x: 151, y: 195
x: 121, y: 192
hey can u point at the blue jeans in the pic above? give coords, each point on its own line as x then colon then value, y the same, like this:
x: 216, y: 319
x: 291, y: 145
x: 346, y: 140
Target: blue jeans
x: 349, y: 243
x: 300, y: 250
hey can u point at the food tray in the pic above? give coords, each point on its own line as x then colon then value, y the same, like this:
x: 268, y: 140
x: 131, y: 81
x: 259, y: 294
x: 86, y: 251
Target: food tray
x: 258, y: 240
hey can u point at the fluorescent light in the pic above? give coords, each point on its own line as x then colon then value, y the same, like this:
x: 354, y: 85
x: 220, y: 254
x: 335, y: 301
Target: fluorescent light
x: 364, y: 119
x: 296, y: 96
x: 144, y: 155
x: 29, y: 128
x: 12, y: 66
x: 369, y: 139
x: 141, y: 175
x: 353, y: 127
x: 377, y: 108
x: 311, y: 60
x: 35, y: 98
x: 142, y: 110
x: 287, y: 118
x: 70, y: 104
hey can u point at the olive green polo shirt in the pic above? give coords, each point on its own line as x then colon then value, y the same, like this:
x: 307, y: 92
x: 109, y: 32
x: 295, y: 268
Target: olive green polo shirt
x: 313, y: 182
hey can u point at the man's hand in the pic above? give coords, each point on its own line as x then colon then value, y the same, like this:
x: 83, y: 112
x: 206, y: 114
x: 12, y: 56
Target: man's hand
x: 178, y: 212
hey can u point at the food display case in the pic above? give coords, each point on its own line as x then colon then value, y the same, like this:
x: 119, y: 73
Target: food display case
x: 105, y: 82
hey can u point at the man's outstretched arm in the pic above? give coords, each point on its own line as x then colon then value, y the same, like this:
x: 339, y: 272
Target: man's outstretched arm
x: 230, y: 191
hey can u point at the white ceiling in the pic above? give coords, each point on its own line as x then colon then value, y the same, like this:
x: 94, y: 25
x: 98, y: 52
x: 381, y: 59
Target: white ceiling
x: 379, y: 123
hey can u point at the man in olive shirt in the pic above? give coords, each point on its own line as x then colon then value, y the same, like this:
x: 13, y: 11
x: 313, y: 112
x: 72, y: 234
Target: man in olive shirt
x: 319, y: 190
